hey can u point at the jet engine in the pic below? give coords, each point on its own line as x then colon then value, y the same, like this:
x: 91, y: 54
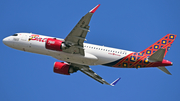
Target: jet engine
x: 64, y: 68
x: 54, y: 44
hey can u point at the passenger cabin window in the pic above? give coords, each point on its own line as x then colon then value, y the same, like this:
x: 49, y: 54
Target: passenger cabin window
x: 15, y: 35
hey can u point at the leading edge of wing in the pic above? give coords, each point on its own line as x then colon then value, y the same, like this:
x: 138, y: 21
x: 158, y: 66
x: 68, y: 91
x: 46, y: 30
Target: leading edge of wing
x: 94, y: 9
x: 88, y: 71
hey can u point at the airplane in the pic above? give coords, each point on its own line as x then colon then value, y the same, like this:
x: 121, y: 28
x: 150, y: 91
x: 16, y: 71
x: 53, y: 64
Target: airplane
x: 79, y: 55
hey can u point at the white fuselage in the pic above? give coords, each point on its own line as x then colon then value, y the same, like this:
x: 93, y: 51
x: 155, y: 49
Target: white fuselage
x: 94, y: 54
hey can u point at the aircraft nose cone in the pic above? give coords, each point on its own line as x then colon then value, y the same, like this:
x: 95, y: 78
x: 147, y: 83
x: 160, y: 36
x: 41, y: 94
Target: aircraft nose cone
x: 6, y: 41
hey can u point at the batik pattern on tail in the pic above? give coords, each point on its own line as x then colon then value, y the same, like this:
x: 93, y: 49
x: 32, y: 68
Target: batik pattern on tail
x: 164, y: 43
x: 140, y: 59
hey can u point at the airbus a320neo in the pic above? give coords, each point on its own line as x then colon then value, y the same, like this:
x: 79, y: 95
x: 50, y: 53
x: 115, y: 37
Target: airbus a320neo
x: 79, y: 55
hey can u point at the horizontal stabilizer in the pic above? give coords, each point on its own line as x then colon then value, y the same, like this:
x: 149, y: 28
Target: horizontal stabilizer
x: 164, y: 70
x: 158, y: 55
x: 114, y: 82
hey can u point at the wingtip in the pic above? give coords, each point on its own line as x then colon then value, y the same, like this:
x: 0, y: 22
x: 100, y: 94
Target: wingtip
x: 114, y: 82
x: 94, y: 9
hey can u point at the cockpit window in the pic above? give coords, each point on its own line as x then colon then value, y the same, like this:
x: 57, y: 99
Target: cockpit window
x: 15, y: 35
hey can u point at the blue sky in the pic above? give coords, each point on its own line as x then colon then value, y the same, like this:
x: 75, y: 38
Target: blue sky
x: 126, y: 24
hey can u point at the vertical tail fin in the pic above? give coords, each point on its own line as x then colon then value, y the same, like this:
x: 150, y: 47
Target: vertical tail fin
x: 163, y: 43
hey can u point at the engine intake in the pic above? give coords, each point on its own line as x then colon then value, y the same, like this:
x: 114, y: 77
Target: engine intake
x: 64, y: 68
x: 54, y: 44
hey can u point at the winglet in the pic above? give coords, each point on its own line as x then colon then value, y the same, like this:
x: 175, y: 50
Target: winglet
x: 114, y: 82
x: 94, y: 9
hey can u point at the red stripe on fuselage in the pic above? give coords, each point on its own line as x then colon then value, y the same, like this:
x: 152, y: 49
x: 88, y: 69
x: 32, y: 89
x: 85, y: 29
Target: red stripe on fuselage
x: 116, y: 65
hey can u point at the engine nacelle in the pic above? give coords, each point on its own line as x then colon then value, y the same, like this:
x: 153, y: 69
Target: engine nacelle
x: 64, y: 68
x: 54, y: 44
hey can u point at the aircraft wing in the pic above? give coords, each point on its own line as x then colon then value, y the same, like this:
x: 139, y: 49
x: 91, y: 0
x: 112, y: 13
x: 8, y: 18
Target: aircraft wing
x: 88, y: 71
x: 76, y: 37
